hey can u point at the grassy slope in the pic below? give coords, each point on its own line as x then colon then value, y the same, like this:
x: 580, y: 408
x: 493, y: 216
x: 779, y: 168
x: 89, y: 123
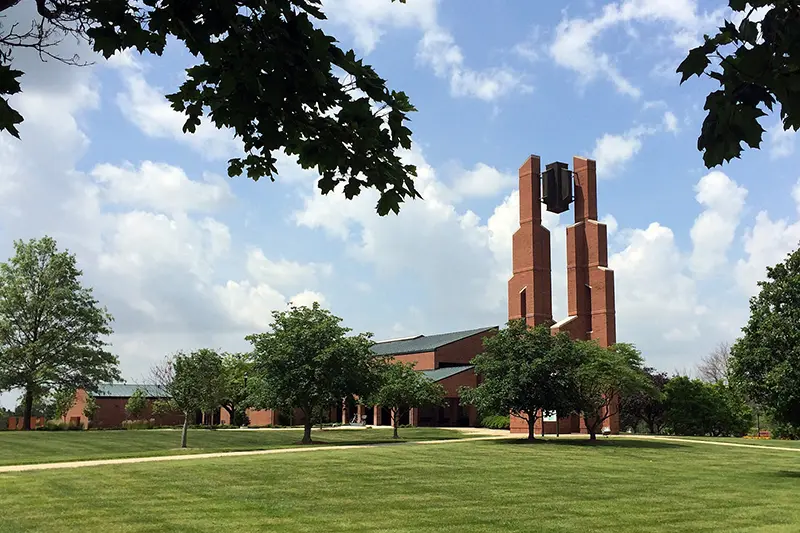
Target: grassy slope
x: 18, y: 447
x: 618, y: 485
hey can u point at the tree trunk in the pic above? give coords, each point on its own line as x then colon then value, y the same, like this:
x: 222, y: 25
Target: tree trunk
x: 591, y: 428
x: 652, y: 425
x: 307, y: 431
x: 395, y: 422
x: 531, y: 423
x: 185, y: 430
x: 26, y: 412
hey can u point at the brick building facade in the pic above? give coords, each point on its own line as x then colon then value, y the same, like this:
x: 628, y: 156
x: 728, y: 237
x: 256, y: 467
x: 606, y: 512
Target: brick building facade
x: 590, y: 283
x: 111, y: 399
x: 443, y: 358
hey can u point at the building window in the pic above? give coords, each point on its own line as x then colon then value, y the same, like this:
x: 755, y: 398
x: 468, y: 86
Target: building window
x: 523, y: 303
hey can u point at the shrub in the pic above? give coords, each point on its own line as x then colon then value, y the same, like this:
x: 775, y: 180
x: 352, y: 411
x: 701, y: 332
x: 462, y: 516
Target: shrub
x: 139, y: 424
x: 59, y: 425
x: 785, y: 431
x: 496, y: 422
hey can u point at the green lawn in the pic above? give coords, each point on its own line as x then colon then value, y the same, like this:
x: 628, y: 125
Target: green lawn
x: 23, y: 447
x: 618, y: 485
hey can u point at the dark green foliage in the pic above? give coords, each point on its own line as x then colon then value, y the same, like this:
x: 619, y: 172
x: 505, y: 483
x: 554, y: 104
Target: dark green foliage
x: 52, y: 331
x: 646, y: 406
x: 308, y: 361
x: 765, y: 361
x: 265, y: 71
x: 235, y: 397
x: 496, y: 422
x: 785, y: 431
x: 401, y: 388
x: 694, y: 407
x: 603, y: 377
x: 523, y: 371
x: 757, y: 65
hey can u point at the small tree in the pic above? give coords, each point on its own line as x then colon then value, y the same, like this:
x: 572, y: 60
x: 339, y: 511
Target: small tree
x: 136, y: 404
x: 307, y: 361
x: 604, y: 376
x: 646, y: 406
x: 524, y: 371
x: 402, y: 388
x: 235, y: 398
x: 90, y: 409
x: 715, y: 367
x: 193, y: 382
x: 63, y: 400
x: 52, y: 330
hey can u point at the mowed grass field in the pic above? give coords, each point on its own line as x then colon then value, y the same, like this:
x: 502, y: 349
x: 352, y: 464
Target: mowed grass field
x: 26, y: 447
x: 617, y: 485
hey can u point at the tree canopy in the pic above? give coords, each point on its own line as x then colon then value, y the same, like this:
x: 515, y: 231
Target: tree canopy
x: 193, y: 381
x: 136, y: 404
x: 308, y: 361
x: 694, y: 407
x: 52, y: 330
x: 263, y: 69
x: 402, y: 388
x: 524, y: 371
x: 604, y: 376
x: 235, y: 396
x: 647, y: 405
x: 757, y: 65
x: 765, y: 361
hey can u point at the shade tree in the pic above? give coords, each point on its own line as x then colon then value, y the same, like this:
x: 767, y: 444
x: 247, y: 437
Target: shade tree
x: 263, y: 69
x: 524, y: 371
x: 755, y: 59
x: 53, y: 332
x: 765, y: 360
x: 604, y: 376
x: 308, y: 361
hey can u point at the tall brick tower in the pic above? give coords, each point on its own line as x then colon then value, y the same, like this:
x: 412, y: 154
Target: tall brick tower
x: 590, y: 283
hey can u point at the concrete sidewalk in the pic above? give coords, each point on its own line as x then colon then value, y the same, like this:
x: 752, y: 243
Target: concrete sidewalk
x: 188, y: 457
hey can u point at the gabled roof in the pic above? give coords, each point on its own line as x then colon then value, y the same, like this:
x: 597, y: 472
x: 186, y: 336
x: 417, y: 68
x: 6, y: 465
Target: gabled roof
x: 443, y: 373
x: 424, y: 343
x: 126, y: 390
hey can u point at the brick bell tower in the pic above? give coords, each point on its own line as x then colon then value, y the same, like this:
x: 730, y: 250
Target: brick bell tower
x: 590, y: 283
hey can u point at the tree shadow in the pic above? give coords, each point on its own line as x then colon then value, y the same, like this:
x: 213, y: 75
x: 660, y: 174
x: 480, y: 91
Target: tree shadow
x: 601, y: 442
x: 789, y: 473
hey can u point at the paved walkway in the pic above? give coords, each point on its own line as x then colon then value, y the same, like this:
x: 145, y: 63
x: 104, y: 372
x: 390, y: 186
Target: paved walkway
x: 715, y: 443
x: 187, y: 457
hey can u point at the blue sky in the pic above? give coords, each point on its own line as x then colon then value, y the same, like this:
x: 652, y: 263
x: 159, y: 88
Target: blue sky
x: 185, y: 257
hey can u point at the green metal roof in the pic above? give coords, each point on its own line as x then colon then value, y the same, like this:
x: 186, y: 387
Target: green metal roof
x: 443, y: 373
x: 125, y: 390
x: 424, y: 343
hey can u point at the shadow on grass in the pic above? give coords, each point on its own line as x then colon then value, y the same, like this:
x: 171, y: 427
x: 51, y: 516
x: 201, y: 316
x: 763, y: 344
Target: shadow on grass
x: 789, y: 473
x: 586, y: 443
